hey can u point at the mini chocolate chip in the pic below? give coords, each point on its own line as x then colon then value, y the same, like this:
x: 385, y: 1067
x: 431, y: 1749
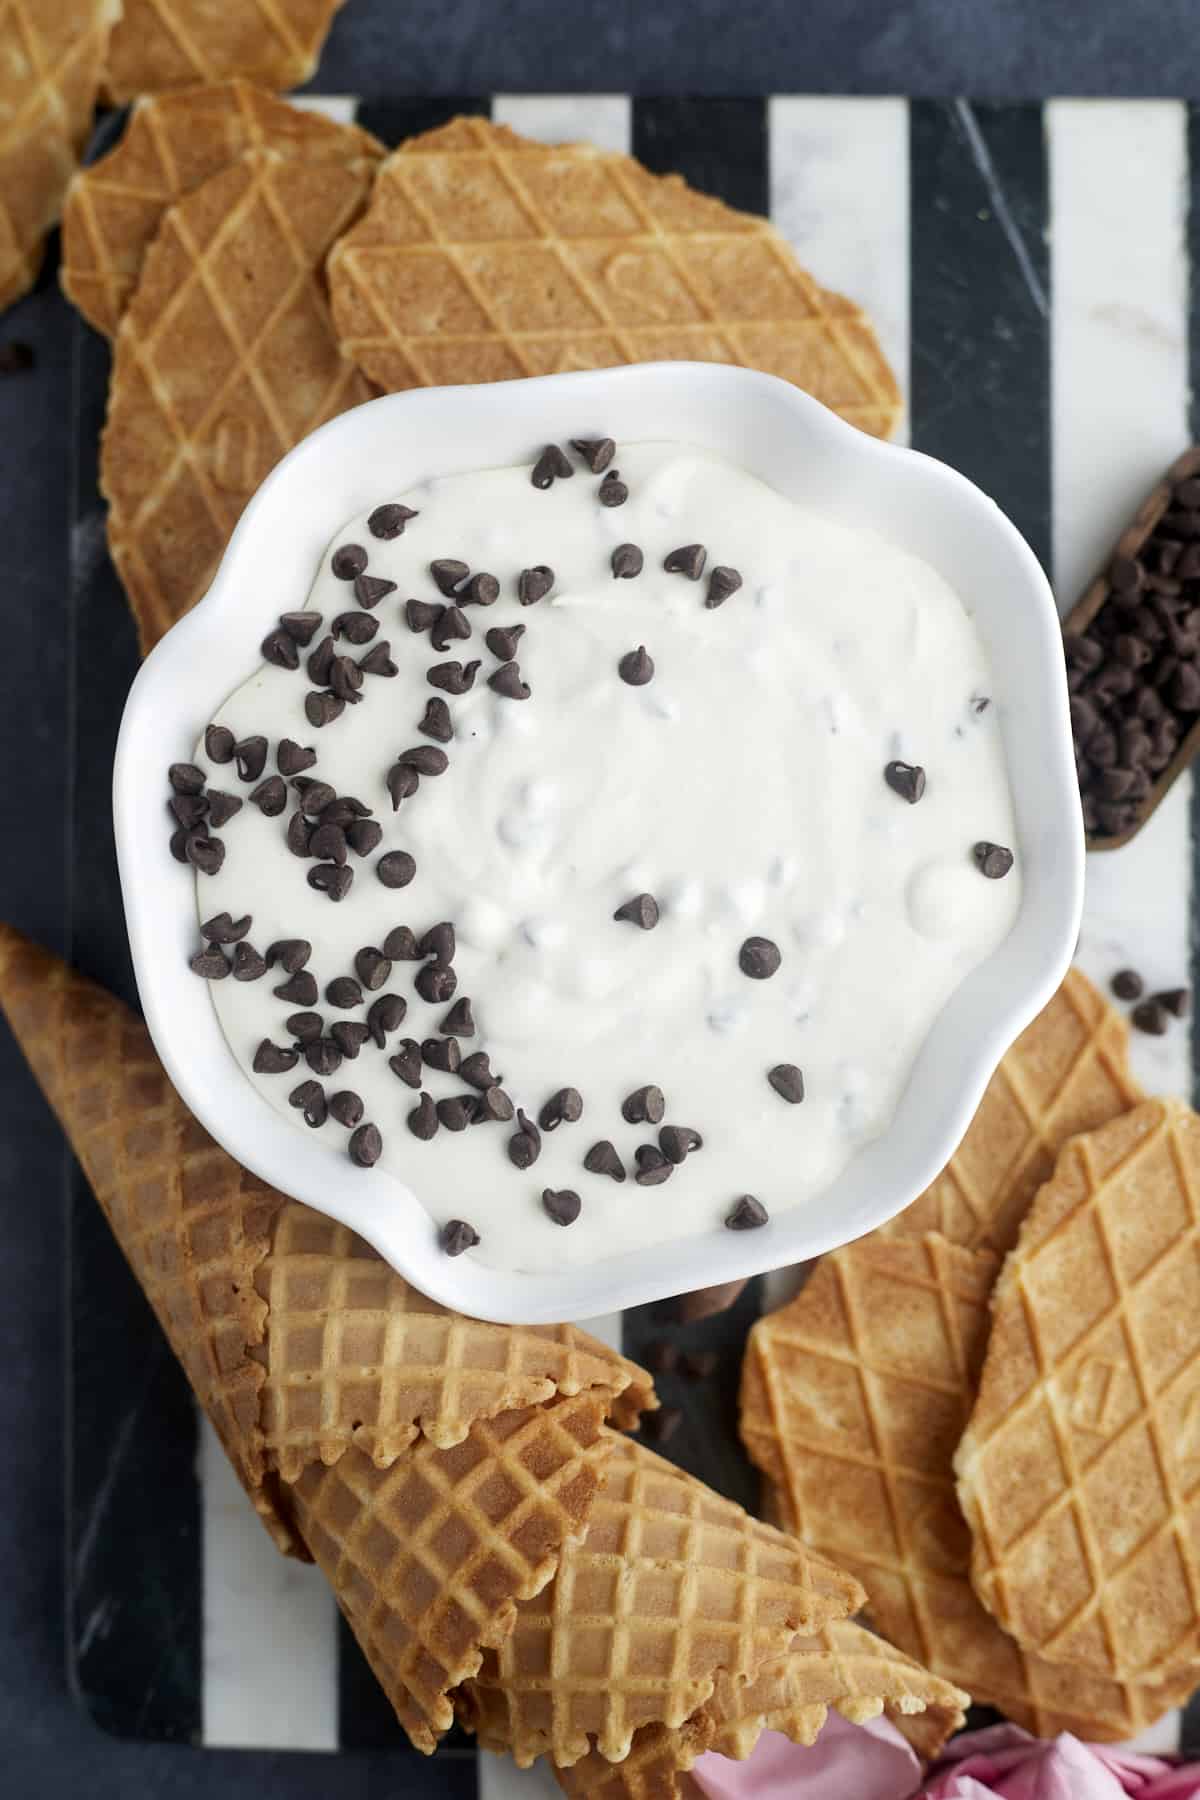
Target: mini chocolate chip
x: 211, y: 963
x: 290, y: 953
x: 188, y: 809
x: 248, y: 965
x: 309, y: 1099
x: 331, y: 879
x: 304, y: 1026
x: 346, y: 679
x: 422, y: 1121
x: 364, y: 836
x: 323, y: 1056
x: 384, y: 1015
x: 292, y: 758
x: 993, y: 860
x: 597, y: 453
x: 320, y: 661
x: 251, y: 757
x: 186, y: 778
x: 905, y: 779
x: 448, y: 574
x: 506, y: 680
x: 1150, y: 1017
x: 645, y: 1106
x: 1127, y: 984
x: 436, y: 722
x: 372, y: 967
x: 612, y: 490
x: 366, y: 1146
x: 457, y: 1112
x: 328, y: 842
x: 678, y: 1141
x: 525, y: 1145
x: 389, y: 520
x: 303, y: 626
x: 602, y: 1159
x: 406, y: 1063
x: 347, y: 561
x: 561, y: 1204
x: 562, y: 1108
x: 457, y: 1236
x: 369, y: 590
x: 204, y: 852
x: 460, y: 1020
x: 436, y: 982
x: 402, y: 782
x: 315, y: 796
x: 299, y: 989
x: 420, y: 615
x: 273, y: 1059
x: 442, y: 1053
x: 280, y: 650
x: 550, y: 466
x: 270, y: 796
x: 349, y: 1036
x: 439, y: 941
x: 346, y: 1108
x: 343, y: 991
x: 321, y: 709
x: 627, y: 561
x: 747, y: 1214
x: 493, y: 1107
x: 642, y: 911
x: 688, y: 560
x: 658, y: 1427
x: 477, y: 1070
x: 379, y: 661
x: 401, y: 945
x: 178, y: 845
x: 722, y: 582
x: 453, y: 677
x: 636, y: 667
x: 425, y: 759
x: 356, y: 627
x: 298, y: 835
x: 452, y: 623
x: 1176, y: 1001
x: 220, y: 808
x: 218, y: 744
x: 534, y: 584
x: 788, y: 1082
x: 502, y: 641
x: 652, y: 1166
x: 396, y: 869
x: 482, y: 590
x: 759, y: 958
x: 223, y: 928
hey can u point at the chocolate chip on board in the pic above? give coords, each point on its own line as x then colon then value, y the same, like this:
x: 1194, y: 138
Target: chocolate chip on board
x: 636, y: 667
x: 439, y: 941
x: 304, y: 1026
x: 378, y: 661
x: 343, y: 992
x: 561, y: 1205
x: 319, y: 661
x: 441, y: 1053
x: 453, y: 677
x: 612, y: 490
x: 788, y: 1082
x: 401, y: 945
x: 905, y: 779
x: 384, y: 1015
x: 280, y: 650
x: 602, y: 1159
x: 992, y: 860
x: 653, y: 1168
x: 678, y: 1141
x: 354, y: 627
x: 369, y: 590
x: 218, y: 744
x: 534, y: 584
x: 396, y: 869
x: 248, y: 965
x: 597, y: 453
x: 188, y: 809
x: 460, y: 1020
x: 292, y: 758
x: 457, y: 1236
x: 331, y: 880
x: 506, y: 681
x: 476, y: 1070
x: 315, y: 796
x: 436, y: 721
x: 222, y: 807
x: 270, y: 796
x: 364, y: 836
x: 525, y: 1145
x: 641, y: 911
x: 321, y: 708
x: 405, y: 1063
x: 250, y: 757
x: 1127, y: 984
x: 422, y: 1121
x: 645, y: 1106
x: 436, y: 983
x: 457, y: 1111
x: 291, y: 954
x: 722, y: 582
x: 178, y: 844
x: 494, y: 1104
x: 211, y: 963
x: 366, y: 1146
x: 346, y: 679
x: 346, y: 1108
x: 564, y: 1107
x: 627, y: 562
x: 372, y: 967
x: 323, y: 1055
x: 309, y: 1100
x: 349, y: 1035
x: 300, y: 988
x: 185, y: 778
x: 452, y: 622
x: 502, y: 641
x: 688, y: 560
x: 551, y: 466
x: 481, y: 590
x: 426, y: 759
x: 448, y: 574
x: 329, y: 843
x: 347, y: 561
x: 402, y: 782
x: 223, y: 928
x: 299, y: 833
x: 389, y: 520
x: 205, y: 852
x: 421, y: 615
x: 747, y: 1214
x: 273, y: 1059
x: 759, y: 958
x: 303, y: 626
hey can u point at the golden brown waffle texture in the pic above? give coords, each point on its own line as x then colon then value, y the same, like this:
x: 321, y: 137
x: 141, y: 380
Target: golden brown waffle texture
x: 176, y: 43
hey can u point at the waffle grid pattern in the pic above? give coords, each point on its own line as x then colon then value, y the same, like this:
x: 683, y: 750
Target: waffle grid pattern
x: 172, y: 43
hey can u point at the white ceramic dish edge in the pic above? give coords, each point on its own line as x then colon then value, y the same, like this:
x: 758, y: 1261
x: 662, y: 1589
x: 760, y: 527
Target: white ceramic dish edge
x: 800, y: 448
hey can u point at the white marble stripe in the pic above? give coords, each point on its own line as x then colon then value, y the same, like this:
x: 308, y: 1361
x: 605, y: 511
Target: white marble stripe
x: 339, y: 107
x: 1118, y: 197
x: 840, y: 195
x: 602, y: 119
x: 270, y: 1637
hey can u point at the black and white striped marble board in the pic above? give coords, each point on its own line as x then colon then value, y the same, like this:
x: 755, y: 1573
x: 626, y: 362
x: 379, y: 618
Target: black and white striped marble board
x: 1029, y: 268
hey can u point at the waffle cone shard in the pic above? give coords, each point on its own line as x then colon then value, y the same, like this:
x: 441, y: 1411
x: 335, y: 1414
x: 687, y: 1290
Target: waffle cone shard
x: 170, y: 146
x: 430, y: 1558
x: 1082, y: 1455
x: 672, y: 1588
x: 853, y: 1398
x: 1066, y: 1073
x: 223, y: 361
x: 485, y: 256
x: 163, y: 44
x: 53, y: 52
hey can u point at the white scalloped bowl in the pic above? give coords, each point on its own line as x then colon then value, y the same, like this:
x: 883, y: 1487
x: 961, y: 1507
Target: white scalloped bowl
x: 802, y: 450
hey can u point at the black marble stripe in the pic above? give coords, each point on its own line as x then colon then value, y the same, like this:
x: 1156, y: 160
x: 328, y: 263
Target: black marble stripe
x: 980, y: 273
x: 394, y: 120
x: 717, y: 145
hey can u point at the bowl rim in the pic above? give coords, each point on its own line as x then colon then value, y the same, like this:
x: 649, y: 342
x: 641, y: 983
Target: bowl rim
x: 271, y: 1147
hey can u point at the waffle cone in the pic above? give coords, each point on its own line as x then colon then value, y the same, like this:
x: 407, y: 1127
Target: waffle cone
x: 1079, y: 1472
x: 485, y: 256
x: 53, y: 52
x: 1066, y: 1073
x: 672, y: 1588
x: 171, y: 145
x: 224, y: 360
x: 175, y: 43
x: 853, y: 1399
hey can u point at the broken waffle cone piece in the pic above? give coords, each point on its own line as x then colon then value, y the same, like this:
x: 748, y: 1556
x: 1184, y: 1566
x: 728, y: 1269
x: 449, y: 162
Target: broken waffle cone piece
x: 53, y: 52
x: 171, y: 145
x: 1066, y: 1073
x: 672, y: 1587
x: 485, y: 256
x: 854, y: 1396
x: 224, y: 360
x: 1079, y: 1471
x: 174, y: 43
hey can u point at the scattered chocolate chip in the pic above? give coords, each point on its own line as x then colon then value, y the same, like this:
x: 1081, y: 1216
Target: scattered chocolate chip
x: 659, y: 1426
x: 346, y: 679
x: 502, y: 641
x: 369, y: 590
x: 481, y: 590
x: 678, y: 1141
x: 291, y: 954
x: 331, y: 879
x: 328, y: 842
x: 298, y: 835
x: 747, y: 1214
x: 323, y: 1056
x: 534, y: 584
x: 636, y: 667
x: 448, y: 574
x: 321, y: 709
x: 993, y: 860
x: 372, y: 967
x: 344, y: 992
x: 436, y: 722
x: 223, y: 928
x: 299, y: 989
x: 645, y: 1106
x: 597, y: 453
x: 420, y: 615
x: 457, y: 1112
x: 627, y: 561
x: 188, y: 809
x: 476, y: 1069
x: 550, y: 466
x: 401, y: 945
x: 452, y: 623
x: 759, y: 958
x: 248, y: 965
x: 458, y: 1236
x: 506, y: 680
x: 384, y: 1015
x: 1150, y: 1017
x: 349, y: 1035
x: 251, y: 758
x: 364, y: 836
x: 460, y: 1020
x: 211, y: 963
x: 347, y: 561
x: 280, y: 649
x: 366, y: 1146
x: 452, y: 677
x: 218, y: 744
x: 788, y: 1082
x: 402, y: 782
x: 439, y: 941
x: 602, y: 1159
x: 355, y: 627
x: 292, y: 758
x: 303, y: 626
x: 270, y: 796
x: 641, y: 911
x: 186, y: 778
x: 688, y: 560
x: 612, y: 490
x: 346, y: 1108
x: 389, y: 520
x: 1127, y: 984
x: 653, y: 1168
x: 699, y: 1365
x: 320, y: 661
x: 309, y: 1099
x: 562, y: 1108
x: 436, y: 983
x: 273, y: 1059
x: 442, y: 1053
x: 379, y: 661
x: 722, y: 582
x: 305, y: 1026
x: 905, y: 779
x: 16, y: 357
x: 561, y: 1204
x: 406, y: 1063
x: 425, y: 759
x: 178, y: 845
x: 204, y: 852
x: 422, y: 1121
x: 396, y: 869
x: 525, y: 1145
x: 315, y: 796
x: 1176, y: 1001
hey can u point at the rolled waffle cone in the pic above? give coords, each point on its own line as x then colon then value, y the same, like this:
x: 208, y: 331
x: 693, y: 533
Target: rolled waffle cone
x: 223, y: 361
x: 853, y: 1399
x: 52, y: 54
x: 171, y: 145
x: 354, y: 1356
x: 429, y: 1558
x: 485, y: 256
x: 1079, y: 1472
x: 672, y: 1587
x: 1066, y: 1073
x: 175, y: 43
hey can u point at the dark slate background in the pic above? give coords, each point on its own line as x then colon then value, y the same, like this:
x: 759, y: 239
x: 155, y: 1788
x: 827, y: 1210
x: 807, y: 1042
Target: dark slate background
x: 1015, y: 49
